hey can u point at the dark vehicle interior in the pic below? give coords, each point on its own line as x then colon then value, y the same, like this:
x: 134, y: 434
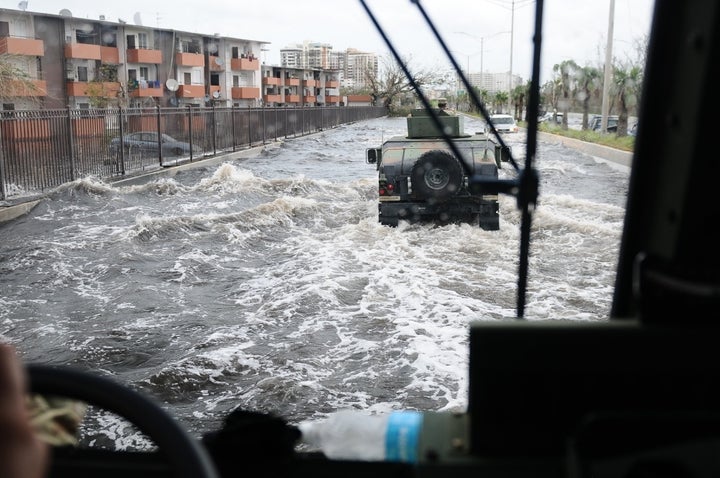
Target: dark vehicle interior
x: 635, y: 396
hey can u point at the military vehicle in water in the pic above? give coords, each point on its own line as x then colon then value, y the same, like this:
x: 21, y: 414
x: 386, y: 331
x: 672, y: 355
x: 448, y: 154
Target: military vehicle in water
x: 421, y: 178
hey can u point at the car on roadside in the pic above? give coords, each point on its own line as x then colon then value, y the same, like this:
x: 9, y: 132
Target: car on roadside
x: 596, y: 123
x: 148, y: 142
x: 633, y: 130
x: 504, y: 123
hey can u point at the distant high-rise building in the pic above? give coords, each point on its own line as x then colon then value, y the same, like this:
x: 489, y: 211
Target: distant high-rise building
x: 358, y: 65
x: 352, y: 64
x: 306, y: 55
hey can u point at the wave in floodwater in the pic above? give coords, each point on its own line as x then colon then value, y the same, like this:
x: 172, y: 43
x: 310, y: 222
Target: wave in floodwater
x: 267, y: 282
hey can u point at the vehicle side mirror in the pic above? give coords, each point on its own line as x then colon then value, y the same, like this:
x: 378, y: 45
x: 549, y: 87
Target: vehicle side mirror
x: 373, y: 155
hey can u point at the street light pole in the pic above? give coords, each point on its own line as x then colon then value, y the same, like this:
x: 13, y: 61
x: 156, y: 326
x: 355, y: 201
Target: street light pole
x: 482, y: 53
x: 512, y: 27
x: 608, y: 68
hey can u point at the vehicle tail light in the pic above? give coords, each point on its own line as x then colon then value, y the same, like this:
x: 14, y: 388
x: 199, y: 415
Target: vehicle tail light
x: 386, y: 189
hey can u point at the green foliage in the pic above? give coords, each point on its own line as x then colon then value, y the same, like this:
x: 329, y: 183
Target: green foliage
x: 625, y: 143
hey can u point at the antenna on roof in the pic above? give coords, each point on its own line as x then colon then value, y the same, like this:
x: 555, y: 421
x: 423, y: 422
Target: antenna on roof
x: 23, y: 5
x: 65, y: 12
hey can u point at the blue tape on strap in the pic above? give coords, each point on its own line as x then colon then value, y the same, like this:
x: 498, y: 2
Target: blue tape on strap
x: 403, y: 435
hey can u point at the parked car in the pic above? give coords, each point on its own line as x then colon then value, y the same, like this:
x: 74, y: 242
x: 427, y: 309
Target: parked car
x: 504, y: 123
x: 633, y: 130
x: 147, y: 142
x: 596, y: 123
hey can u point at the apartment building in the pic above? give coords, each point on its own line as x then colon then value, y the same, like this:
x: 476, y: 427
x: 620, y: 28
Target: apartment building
x: 286, y: 86
x: 80, y: 63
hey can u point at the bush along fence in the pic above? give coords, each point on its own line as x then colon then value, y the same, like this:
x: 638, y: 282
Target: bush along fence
x: 43, y: 149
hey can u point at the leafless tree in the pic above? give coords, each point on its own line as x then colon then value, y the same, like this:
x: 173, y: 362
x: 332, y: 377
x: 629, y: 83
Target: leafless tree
x: 391, y: 84
x: 14, y: 82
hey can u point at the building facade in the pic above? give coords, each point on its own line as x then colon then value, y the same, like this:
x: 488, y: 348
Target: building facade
x: 61, y: 61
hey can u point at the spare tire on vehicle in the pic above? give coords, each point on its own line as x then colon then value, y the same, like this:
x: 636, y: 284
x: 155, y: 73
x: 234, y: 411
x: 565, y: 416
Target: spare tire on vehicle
x: 437, y: 174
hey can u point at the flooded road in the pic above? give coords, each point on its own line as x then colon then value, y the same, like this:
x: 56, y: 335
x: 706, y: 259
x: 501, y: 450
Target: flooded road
x: 267, y: 282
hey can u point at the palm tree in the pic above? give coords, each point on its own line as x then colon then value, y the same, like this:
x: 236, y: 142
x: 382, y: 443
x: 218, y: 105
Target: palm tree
x: 500, y: 99
x: 588, y: 82
x: 518, y: 98
x: 567, y: 70
x: 626, y: 83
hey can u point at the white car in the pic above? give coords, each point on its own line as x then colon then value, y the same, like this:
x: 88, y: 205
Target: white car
x: 504, y: 123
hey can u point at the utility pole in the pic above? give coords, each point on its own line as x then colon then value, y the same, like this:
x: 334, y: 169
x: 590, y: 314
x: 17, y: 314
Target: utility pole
x: 608, y: 70
x: 512, y: 27
x: 482, y: 52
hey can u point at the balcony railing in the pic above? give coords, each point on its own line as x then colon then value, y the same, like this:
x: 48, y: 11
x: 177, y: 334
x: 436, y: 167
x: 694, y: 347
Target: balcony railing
x: 22, y: 46
x: 191, y: 91
x: 332, y: 84
x: 292, y: 98
x: 30, y: 87
x: 138, y: 55
x: 245, y: 93
x: 103, y: 89
x: 271, y: 80
x: 310, y: 82
x: 237, y: 64
x: 151, y: 90
x: 110, y: 55
x: 272, y: 99
x: 189, y: 59
x: 292, y: 81
x: 83, y: 51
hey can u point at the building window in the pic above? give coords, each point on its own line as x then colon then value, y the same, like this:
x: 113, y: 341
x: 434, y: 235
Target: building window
x: 236, y: 81
x: 8, y: 106
x: 187, y: 79
x: 142, y: 40
x: 82, y: 73
x: 144, y: 73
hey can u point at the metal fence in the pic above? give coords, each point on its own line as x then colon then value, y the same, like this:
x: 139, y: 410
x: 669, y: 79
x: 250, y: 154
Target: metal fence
x: 43, y: 149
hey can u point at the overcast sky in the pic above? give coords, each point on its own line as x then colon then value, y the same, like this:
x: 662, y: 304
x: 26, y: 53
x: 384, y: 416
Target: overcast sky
x: 477, y: 31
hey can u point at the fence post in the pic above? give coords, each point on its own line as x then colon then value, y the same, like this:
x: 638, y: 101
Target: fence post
x: 232, y: 124
x: 3, y: 194
x: 189, y: 109
x: 73, y: 171
x: 159, y: 134
x: 214, y: 129
x: 263, y: 123
x: 121, y: 166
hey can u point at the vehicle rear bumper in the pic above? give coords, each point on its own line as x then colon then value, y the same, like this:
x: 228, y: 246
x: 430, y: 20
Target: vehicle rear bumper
x: 419, y: 210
